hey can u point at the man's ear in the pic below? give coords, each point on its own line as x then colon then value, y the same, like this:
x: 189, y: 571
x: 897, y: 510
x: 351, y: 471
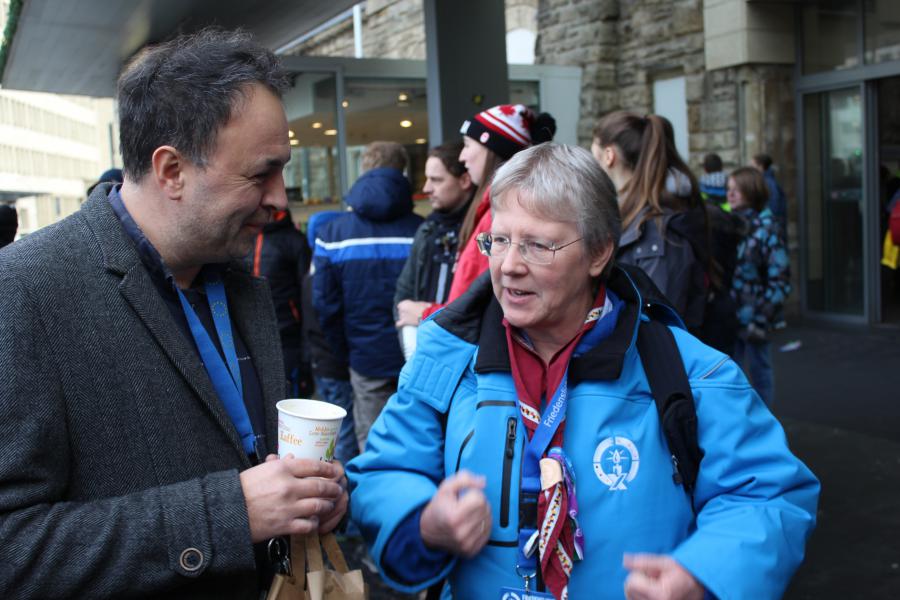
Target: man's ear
x: 167, y: 167
x: 465, y: 181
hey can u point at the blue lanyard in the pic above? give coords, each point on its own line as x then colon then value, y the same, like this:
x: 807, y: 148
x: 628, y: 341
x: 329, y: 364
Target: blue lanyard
x: 554, y: 414
x: 226, y: 378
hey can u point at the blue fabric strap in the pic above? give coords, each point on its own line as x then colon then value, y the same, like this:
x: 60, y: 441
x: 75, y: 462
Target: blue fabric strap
x: 226, y: 378
x: 554, y: 414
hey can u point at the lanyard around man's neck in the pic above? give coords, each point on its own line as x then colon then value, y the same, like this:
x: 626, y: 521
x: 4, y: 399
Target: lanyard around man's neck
x: 225, y: 375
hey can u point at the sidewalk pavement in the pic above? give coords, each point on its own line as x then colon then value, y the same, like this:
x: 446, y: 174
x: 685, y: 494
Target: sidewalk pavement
x: 838, y: 397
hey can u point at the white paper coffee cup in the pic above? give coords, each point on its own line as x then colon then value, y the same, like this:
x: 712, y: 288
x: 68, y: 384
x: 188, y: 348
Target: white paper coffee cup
x: 308, y: 428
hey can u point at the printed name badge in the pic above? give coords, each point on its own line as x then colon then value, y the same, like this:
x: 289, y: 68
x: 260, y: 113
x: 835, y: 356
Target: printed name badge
x: 520, y: 594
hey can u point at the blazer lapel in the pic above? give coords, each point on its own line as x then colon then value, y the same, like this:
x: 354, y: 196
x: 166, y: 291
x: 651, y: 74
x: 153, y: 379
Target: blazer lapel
x: 120, y: 256
x: 142, y: 295
x: 250, y: 303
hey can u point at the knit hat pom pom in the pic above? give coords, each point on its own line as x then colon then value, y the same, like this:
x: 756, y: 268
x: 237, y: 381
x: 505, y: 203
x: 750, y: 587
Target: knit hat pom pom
x: 543, y: 129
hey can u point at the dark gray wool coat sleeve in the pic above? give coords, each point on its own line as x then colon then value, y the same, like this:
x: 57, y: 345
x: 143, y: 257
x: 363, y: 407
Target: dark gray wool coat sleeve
x: 118, y: 464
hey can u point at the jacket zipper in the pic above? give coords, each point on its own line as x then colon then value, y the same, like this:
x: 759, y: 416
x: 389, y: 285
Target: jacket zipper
x: 508, y: 453
x: 461, y: 448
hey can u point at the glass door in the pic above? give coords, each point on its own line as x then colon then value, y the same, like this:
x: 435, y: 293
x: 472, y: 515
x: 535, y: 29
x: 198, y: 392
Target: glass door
x: 312, y: 177
x: 835, y: 213
x: 888, y: 139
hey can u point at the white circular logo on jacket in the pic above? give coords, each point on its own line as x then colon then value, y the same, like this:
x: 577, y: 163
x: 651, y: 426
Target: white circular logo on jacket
x: 616, y: 462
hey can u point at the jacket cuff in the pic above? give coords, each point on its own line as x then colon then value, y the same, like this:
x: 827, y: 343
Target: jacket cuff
x: 207, y: 526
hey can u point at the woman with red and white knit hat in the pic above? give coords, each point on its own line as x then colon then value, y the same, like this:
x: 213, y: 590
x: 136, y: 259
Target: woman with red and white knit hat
x: 490, y: 138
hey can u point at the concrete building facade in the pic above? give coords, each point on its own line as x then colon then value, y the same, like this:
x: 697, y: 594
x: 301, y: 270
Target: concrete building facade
x: 807, y: 83
x: 52, y: 147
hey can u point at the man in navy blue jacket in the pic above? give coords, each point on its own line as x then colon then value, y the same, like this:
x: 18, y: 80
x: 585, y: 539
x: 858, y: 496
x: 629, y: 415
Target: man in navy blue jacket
x: 357, y: 260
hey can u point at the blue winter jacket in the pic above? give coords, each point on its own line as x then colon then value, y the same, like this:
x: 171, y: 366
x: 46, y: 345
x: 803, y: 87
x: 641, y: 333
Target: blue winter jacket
x: 357, y: 259
x: 456, y: 409
x: 762, y: 277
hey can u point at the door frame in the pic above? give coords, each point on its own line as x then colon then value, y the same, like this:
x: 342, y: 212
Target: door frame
x: 802, y: 150
x: 865, y: 77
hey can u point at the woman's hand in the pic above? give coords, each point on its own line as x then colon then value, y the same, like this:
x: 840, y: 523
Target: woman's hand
x: 458, y: 518
x: 409, y: 312
x: 658, y: 577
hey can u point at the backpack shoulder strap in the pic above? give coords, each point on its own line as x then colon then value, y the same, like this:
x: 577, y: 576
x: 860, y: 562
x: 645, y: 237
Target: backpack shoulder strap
x: 674, y: 401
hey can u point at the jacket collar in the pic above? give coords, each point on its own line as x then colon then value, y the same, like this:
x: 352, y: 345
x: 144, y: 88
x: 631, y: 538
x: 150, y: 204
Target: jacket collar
x: 476, y: 317
x: 452, y: 218
x: 119, y: 252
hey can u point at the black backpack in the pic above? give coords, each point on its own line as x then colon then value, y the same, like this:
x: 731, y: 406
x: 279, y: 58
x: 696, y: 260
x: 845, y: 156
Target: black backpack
x: 674, y: 401
x: 715, y: 246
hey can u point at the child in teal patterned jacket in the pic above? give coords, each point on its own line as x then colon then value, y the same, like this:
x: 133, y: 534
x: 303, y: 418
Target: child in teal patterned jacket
x: 762, y: 278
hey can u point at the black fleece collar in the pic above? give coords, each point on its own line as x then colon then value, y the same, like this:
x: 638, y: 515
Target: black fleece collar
x: 477, y: 318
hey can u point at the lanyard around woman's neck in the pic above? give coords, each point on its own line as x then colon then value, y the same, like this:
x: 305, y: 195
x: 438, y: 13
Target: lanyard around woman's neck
x: 225, y: 375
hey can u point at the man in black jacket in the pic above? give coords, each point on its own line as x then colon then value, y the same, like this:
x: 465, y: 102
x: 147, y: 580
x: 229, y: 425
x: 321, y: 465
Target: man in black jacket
x: 282, y: 256
x: 428, y: 272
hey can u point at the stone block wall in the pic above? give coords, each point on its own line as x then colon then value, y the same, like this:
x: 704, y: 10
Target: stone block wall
x: 622, y: 46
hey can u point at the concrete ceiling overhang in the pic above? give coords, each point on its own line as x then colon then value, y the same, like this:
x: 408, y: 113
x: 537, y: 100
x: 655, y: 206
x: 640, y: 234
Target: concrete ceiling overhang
x: 79, y: 46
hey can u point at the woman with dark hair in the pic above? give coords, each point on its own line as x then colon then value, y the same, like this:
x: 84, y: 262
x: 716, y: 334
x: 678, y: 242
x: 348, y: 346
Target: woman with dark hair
x: 762, y: 278
x: 664, y: 228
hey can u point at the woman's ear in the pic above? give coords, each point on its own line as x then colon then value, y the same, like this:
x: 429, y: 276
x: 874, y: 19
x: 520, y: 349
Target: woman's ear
x: 610, y: 158
x: 600, y: 260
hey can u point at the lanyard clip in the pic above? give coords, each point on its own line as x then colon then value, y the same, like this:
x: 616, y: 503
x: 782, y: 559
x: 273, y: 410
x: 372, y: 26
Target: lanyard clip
x: 526, y: 577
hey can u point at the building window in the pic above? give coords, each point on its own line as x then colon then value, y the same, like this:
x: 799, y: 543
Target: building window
x: 882, y: 27
x: 830, y: 36
x: 670, y: 101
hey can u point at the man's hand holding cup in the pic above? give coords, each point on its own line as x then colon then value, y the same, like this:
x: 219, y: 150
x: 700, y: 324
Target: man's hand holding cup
x: 301, y: 490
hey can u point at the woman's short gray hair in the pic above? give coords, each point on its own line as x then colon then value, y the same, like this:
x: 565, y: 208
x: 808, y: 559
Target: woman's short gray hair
x: 563, y: 183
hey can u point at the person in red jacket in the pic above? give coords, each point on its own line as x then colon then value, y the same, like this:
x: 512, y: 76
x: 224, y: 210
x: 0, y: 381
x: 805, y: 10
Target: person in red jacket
x: 490, y: 138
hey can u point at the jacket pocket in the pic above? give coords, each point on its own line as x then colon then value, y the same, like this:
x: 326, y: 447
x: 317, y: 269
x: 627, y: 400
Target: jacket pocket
x: 492, y: 451
x: 509, y: 452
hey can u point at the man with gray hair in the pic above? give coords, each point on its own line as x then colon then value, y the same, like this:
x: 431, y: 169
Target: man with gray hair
x: 357, y: 260
x: 139, y: 422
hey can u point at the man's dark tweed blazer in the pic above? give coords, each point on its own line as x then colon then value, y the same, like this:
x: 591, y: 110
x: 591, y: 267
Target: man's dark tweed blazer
x: 118, y: 463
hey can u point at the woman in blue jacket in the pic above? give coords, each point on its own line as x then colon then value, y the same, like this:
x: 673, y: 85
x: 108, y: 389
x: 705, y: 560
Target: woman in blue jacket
x: 523, y: 455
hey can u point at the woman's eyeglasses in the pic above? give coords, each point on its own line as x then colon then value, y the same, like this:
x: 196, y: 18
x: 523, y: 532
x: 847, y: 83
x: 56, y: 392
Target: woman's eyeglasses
x: 532, y: 251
